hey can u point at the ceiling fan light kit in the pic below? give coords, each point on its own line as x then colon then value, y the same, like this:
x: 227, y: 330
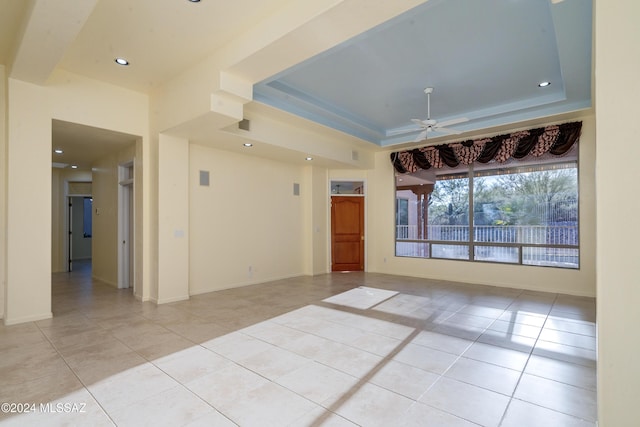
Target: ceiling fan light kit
x: 431, y: 125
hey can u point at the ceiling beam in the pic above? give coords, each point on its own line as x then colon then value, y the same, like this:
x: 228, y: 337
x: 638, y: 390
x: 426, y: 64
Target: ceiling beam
x: 49, y: 28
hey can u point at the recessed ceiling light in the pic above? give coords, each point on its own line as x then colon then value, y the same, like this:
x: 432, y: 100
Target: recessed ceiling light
x: 121, y: 61
x: 194, y: 1
x: 58, y: 151
x: 309, y: 159
x: 246, y: 144
x: 544, y: 84
x: 74, y: 166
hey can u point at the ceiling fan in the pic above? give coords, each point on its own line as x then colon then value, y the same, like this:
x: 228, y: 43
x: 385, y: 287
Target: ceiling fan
x: 430, y: 125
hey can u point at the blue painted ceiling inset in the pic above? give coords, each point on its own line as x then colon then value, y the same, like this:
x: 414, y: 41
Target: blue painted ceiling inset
x: 483, y: 57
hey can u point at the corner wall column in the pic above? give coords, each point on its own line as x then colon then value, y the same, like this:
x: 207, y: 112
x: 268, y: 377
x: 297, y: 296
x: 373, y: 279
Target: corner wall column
x: 173, y: 219
x: 28, y: 276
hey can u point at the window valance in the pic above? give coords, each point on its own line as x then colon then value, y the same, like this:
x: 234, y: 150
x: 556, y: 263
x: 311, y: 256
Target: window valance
x: 555, y: 140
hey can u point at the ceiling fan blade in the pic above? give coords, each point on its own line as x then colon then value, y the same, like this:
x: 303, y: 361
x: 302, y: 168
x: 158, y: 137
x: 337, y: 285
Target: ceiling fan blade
x: 447, y: 130
x: 452, y: 122
x: 431, y: 125
x: 421, y: 136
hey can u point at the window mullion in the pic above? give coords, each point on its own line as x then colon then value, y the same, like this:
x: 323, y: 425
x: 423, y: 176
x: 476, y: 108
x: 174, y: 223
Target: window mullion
x: 471, y: 237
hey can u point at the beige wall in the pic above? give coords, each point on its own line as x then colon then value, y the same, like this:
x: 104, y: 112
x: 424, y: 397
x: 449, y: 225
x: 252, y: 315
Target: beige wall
x: 3, y: 184
x: 66, y: 97
x: 105, y: 215
x: 146, y: 171
x: 105, y: 220
x: 318, y: 228
x: 247, y: 217
x: 173, y: 219
x: 617, y: 67
x: 28, y: 294
x: 381, y: 258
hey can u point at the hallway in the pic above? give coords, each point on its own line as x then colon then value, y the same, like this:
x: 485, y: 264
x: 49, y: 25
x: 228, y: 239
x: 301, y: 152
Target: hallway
x: 341, y: 349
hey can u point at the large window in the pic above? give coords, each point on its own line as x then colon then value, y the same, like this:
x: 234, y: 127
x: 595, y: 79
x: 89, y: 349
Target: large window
x: 493, y: 213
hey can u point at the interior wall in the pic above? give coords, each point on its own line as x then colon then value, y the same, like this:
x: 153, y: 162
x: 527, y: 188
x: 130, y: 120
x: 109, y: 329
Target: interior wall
x: 28, y: 287
x: 105, y: 220
x: 617, y: 66
x: 105, y: 215
x: 145, y: 189
x: 3, y: 185
x: 173, y: 221
x: 381, y: 243
x: 246, y: 226
x: 320, y: 226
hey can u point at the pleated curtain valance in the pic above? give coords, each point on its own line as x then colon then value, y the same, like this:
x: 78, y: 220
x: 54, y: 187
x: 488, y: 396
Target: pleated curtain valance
x: 554, y: 139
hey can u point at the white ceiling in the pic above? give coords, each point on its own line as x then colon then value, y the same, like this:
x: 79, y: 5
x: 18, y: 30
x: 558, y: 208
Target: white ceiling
x: 483, y: 57
x: 11, y: 16
x: 83, y: 145
x: 160, y: 37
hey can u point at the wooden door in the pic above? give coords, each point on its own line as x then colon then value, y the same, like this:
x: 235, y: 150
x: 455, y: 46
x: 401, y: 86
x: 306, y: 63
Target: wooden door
x: 347, y: 233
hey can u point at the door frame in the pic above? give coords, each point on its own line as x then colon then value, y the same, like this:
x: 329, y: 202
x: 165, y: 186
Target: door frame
x: 126, y: 225
x: 66, y: 228
x: 366, y: 234
x: 69, y: 233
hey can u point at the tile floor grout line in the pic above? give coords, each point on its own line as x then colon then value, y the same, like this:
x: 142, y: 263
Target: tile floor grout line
x: 110, y: 332
x: 77, y: 377
x: 524, y: 368
x: 443, y: 375
x: 175, y: 379
x: 200, y: 398
x: 365, y: 379
x: 236, y: 363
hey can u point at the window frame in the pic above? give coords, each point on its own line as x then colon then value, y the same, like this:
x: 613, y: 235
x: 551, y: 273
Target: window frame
x: 473, y: 245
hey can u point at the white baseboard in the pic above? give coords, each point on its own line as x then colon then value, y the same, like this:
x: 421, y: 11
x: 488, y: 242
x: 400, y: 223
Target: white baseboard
x: 246, y: 283
x: 106, y: 282
x: 168, y: 300
x: 32, y: 318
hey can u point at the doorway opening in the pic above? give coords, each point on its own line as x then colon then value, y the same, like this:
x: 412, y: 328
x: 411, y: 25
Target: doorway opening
x: 80, y: 232
x: 77, y: 229
x: 347, y: 226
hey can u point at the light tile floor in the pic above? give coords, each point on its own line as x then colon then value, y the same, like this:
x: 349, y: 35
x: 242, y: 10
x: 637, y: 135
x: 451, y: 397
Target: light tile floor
x: 333, y: 350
